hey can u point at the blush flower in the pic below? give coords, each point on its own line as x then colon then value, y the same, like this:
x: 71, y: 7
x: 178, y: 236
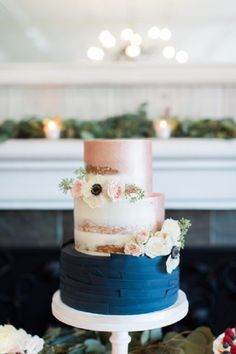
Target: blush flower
x: 76, y: 190
x: 133, y: 249
x: 115, y: 190
x: 142, y: 237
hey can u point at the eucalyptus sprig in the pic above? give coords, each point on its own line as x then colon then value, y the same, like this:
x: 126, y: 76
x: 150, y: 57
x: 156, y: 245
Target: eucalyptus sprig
x: 184, y: 225
x: 67, y: 183
x: 133, y: 193
x: 80, y: 173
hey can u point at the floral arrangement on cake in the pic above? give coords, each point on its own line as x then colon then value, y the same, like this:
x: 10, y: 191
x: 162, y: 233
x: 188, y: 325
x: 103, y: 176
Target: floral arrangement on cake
x: 166, y: 242
x: 14, y: 341
x: 95, y: 190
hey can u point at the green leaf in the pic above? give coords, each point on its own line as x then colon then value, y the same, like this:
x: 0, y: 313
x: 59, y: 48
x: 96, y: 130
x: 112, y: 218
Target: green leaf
x: 77, y: 349
x: 199, y: 341
x: 86, y: 135
x: 52, y: 332
x: 94, y: 346
x: 80, y: 173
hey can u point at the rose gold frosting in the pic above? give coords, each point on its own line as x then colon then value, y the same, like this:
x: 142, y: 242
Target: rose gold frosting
x: 132, y: 157
x: 160, y: 208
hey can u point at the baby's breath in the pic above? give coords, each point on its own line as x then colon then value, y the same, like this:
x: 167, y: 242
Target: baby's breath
x: 133, y: 192
x: 66, y: 184
x: 184, y: 225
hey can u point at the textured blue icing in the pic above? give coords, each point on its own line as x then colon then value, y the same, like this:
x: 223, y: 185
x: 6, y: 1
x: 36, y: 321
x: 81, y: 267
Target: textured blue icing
x: 116, y: 285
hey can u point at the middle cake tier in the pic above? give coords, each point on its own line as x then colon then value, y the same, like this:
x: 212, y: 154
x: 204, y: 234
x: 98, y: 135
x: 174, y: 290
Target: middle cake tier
x: 108, y: 228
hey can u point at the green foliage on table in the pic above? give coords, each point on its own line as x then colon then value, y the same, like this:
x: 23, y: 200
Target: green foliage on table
x: 24, y: 129
x: 127, y: 125
x: 76, y: 341
x: 205, y: 128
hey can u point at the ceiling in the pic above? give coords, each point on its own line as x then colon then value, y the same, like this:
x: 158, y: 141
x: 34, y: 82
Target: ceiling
x: 62, y: 30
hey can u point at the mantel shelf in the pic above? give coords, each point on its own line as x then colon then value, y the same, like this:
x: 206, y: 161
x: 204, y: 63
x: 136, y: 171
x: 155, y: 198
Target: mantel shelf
x: 115, y: 73
x: 193, y: 173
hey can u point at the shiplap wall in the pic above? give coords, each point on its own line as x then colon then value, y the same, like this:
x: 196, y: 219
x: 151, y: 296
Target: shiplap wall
x: 108, y: 93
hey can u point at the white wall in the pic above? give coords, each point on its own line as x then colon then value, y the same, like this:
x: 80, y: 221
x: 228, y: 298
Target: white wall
x: 93, y: 92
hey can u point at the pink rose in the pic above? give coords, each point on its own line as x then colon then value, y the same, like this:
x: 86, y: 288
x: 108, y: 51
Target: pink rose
x: 133, y: 249
x: 76, y: 190
x: 115, y: 190
x: 142, y: 237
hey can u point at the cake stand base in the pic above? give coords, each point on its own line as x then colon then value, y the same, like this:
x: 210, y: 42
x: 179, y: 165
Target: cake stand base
x: 119, y: 325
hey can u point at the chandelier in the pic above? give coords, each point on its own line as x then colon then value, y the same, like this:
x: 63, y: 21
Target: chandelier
x: 131, y: 45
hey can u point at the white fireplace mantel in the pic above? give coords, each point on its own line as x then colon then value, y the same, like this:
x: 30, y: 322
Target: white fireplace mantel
x: 193, y: 173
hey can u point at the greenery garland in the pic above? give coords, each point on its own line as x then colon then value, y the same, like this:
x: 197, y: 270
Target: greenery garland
x: 77, y: 341
x: 127, y: 125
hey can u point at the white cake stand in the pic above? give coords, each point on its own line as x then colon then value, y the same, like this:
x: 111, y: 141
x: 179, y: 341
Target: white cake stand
x: 119, y: 325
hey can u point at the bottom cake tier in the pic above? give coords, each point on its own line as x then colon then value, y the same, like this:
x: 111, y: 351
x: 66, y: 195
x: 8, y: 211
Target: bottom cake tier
x: 117, y: 284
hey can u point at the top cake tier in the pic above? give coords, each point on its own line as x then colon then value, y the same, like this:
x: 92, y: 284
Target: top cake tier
x: 131, y: 157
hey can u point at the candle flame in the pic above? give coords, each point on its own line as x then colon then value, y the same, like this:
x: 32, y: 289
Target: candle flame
x: 52, y: 124
x: 163, y: 123
x: 52, y: 127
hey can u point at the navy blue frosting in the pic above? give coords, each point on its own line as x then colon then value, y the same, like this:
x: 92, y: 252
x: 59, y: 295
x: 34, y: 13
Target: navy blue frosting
x: 116, y: 285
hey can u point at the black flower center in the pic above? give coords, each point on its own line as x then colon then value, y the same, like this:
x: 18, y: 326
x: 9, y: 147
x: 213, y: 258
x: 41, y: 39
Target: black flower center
x: 175, y: 252
x: 96, y: 189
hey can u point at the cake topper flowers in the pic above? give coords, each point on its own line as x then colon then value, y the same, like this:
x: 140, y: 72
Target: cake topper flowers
x: 166, y: 242
x: 95, y: 190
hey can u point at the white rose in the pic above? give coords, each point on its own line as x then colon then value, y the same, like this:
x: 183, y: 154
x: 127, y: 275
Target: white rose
x: 34, y: 345
x: 17, y: 341
x: 167, y: 241
x: 22, y: 338
x: 8, y: 339
x: 155, y: 247
x: 171, y: 232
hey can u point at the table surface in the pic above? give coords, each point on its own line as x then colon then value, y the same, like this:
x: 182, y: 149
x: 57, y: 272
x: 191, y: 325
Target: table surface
x: 112, y: 323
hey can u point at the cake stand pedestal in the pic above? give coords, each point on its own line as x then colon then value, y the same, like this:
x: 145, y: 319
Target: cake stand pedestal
x: 119, y: 325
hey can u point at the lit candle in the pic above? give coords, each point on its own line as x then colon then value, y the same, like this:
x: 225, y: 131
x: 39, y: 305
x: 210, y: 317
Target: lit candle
x: 163, y: 129
x: 52, y: 129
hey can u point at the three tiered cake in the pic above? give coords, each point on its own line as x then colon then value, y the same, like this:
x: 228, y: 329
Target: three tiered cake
x: 125, y: 256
